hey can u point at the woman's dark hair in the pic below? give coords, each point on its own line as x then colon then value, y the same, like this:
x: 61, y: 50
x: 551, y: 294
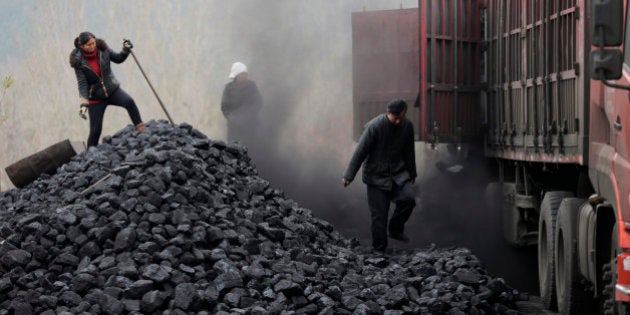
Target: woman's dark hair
x: 83, y: 38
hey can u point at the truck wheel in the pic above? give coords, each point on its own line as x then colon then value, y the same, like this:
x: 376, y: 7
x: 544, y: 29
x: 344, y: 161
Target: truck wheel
x: 546, y: 230
x: 572, y: 296
x: 610, y: 306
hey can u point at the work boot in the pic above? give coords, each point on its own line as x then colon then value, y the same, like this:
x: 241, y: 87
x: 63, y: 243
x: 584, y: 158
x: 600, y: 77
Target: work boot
x: 399, y: 237
x: 381, y: 253
x: 140, y: 127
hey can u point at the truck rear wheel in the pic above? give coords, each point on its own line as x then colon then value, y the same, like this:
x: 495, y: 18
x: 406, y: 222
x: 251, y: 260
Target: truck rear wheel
x: 546, y: 232
x: 572, y: 296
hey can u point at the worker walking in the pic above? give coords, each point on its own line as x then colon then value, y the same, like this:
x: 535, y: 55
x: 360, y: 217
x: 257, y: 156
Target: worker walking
x: 98, y: 86
x: 386, y: 150
x: 241, y: 103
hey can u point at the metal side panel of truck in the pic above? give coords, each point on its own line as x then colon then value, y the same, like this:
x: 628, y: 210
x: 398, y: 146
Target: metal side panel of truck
x: 392, y: 58
x: 537, y: 91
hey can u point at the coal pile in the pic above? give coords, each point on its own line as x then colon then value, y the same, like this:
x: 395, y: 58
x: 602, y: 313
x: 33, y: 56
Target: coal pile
x: 167, y: 221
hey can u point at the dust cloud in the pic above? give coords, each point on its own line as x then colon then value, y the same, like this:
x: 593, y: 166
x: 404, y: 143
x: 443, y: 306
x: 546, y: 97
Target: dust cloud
x: 459, y: 209
x: 297, y: 51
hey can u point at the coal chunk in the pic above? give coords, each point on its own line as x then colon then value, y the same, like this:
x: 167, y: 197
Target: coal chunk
x: 15, y: 258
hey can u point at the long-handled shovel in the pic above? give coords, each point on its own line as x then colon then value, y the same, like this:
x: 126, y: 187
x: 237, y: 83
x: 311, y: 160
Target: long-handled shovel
x: 151, y: 86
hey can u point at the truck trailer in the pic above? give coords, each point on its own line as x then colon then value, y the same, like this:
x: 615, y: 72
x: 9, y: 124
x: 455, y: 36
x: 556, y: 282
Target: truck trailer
x: 543, y: 87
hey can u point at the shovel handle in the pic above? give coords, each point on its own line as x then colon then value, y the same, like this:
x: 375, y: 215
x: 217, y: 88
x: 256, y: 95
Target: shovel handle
x: 151, y: 86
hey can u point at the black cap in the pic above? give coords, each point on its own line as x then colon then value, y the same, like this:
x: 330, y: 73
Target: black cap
x: 396, y: 106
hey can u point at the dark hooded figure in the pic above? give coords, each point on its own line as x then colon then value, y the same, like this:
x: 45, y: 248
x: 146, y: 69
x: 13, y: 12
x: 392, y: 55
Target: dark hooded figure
x: 241, y: 103
x: 386, y: 150
x: 98, y: 86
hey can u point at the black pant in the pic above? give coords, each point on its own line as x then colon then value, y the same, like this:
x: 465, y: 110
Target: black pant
x: 97, y: 111
x: 379, y: 201
x: 243, y: 127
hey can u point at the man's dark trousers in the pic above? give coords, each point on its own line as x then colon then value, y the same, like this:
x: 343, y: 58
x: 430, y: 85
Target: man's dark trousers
x: 379, y: 201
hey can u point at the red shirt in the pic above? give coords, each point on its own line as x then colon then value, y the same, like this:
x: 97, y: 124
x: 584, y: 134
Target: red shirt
x: 92, y: 59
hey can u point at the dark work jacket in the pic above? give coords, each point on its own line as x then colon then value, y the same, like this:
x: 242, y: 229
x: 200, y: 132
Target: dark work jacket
x: 240, y: 99
x: 386, y: 152
x: 91, y: 86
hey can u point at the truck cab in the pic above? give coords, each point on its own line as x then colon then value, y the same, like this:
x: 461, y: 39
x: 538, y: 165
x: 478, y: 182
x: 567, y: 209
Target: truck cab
x: 609, y: 155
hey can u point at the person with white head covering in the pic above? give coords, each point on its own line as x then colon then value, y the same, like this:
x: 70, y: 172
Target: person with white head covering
x: 241, y: 104
x: 237, y: 68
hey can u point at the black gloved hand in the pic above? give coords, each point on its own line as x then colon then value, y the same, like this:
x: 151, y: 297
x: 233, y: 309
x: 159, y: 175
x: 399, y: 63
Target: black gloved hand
x: 127, y: 45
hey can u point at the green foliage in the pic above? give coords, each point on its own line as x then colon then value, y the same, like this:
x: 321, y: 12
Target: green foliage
x: 6, y: 84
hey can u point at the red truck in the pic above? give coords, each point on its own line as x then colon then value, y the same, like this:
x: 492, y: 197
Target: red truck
x: 543, y: 86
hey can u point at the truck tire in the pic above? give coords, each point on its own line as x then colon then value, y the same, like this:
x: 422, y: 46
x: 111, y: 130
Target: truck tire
x: 546, y: 232
x: 572, y: 295
x: 610, y: 306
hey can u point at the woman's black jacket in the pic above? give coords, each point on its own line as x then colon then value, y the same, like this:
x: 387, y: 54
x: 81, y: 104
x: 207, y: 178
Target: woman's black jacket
x: 91, y: 86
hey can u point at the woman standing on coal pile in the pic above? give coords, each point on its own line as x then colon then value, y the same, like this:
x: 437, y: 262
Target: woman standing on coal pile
x: 98, y: 86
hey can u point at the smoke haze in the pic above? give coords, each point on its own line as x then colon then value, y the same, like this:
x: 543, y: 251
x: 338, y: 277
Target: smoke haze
x: 298, y: 52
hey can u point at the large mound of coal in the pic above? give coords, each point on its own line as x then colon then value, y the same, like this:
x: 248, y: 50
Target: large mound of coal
x: 167, y: 221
